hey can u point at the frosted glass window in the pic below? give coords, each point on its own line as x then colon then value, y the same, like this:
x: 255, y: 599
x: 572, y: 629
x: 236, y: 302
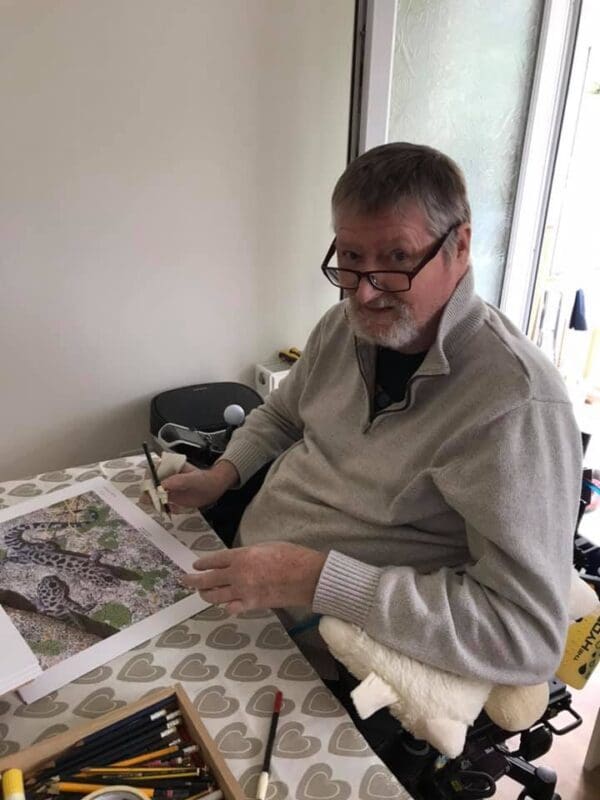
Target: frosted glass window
x: 461, y: 82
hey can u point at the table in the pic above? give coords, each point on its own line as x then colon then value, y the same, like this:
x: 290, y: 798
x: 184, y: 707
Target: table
x: 230, y: 668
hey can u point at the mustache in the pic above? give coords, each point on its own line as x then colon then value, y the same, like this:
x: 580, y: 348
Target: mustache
x: 377, y: 303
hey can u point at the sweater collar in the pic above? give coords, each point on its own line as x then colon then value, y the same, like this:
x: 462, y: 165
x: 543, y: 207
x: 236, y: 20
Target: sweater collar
x: 462, y: 316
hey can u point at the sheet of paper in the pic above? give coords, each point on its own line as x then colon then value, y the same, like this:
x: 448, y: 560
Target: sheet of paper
x: 19, y: 664
x: 86, y: 575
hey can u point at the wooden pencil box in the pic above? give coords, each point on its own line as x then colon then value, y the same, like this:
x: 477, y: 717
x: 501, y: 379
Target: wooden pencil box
x: 31, y: 759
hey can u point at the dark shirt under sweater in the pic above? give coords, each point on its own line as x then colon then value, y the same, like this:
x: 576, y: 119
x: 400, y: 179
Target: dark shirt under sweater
x: 393, y: 371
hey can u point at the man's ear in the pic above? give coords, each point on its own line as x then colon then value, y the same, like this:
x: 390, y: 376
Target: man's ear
x: 463, y: 243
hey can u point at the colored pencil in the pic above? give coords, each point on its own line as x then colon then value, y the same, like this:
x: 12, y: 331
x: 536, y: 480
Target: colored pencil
x: 138, y: 770
x: 103, y: 752
x: 108, y: 753
x: 85, y: 788
x: 101, y: 735
x: 132, y: 776
x: 263, y: 780
x: 141, y: 759
x: 147, y: 715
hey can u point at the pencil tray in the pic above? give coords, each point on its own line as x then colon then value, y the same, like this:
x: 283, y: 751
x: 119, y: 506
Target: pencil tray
x: 31, y: 759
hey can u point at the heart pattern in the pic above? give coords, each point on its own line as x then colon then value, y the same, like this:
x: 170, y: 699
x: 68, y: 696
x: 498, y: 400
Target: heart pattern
x: 7, y: 748
x: 213, y: 702
x: 296, y: 668
x: 178, y: 637
x: 347, y: 741
x: 55, y: 477
x: 48, y: 733
x: 26, y: 490
x: 90, y: 473
x: 58, y: 487
x: 319, y: 702
x: 233, y: 742
x: 125, y: 476
x: 97, y: 703
x: 379, y: 784
x: 96, y: 675
x: 227, y: 637
x: 44, y: 707
x: 318, y: 784
x: 231, y: 668
x: 140, y: 669
x: 213, y: 613
x: 118, y: 463
x: 195, y: 523
x: 206, y: 542
x: 274, y: 637
x: 261, y: 703
x: 255, y: 613
x: 195, y: 668
x: 246, y: 668
x: 291, y: 742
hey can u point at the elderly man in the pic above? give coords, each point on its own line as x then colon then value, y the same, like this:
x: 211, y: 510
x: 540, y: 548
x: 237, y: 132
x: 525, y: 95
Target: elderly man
x: 427, y: 464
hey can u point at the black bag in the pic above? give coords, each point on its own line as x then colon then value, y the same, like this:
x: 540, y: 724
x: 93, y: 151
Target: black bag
x: 200, y: 407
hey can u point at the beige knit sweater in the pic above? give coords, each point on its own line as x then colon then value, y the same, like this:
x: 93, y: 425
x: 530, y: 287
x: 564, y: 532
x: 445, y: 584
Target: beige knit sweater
x: 448, y: 518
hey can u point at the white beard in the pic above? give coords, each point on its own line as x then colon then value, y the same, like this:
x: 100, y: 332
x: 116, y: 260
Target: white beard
x: 396, y: 335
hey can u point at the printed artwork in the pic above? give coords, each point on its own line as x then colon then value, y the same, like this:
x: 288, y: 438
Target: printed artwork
x: 76, y: 572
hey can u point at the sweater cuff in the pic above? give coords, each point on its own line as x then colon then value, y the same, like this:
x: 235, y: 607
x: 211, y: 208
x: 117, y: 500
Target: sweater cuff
x: 245, y: 457
x: 346, y: 588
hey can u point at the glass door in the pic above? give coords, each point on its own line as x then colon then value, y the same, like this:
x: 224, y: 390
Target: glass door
x: 484, y: 83
x: 565, y: 318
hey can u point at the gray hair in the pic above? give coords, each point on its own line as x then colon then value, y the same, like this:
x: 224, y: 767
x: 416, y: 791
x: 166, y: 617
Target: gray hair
x: 385, y: 177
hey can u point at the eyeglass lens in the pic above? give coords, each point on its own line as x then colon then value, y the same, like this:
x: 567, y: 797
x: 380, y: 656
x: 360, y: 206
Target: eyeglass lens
x: 386, y: 281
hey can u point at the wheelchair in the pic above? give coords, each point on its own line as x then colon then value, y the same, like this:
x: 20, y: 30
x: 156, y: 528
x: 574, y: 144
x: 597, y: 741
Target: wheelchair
x: 488, y: 754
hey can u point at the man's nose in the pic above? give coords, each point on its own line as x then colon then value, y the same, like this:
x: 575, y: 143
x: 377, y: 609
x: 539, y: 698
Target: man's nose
x: 365, y: 292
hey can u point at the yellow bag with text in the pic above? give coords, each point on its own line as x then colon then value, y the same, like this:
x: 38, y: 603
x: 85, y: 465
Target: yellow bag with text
x: 582, y: 651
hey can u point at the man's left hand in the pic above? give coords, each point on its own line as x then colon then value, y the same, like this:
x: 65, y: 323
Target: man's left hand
x: 270, y: 575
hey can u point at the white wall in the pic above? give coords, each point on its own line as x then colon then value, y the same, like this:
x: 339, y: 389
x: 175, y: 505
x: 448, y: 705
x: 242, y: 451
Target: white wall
x: 165, y: 173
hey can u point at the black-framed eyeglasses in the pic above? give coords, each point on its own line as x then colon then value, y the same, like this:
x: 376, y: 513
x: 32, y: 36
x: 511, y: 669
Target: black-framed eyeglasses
x: 384, y: 280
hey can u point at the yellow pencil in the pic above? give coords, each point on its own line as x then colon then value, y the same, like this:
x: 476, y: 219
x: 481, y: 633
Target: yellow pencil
x: 135, y: 770
x: 86, y: 788
x: 145, y: 757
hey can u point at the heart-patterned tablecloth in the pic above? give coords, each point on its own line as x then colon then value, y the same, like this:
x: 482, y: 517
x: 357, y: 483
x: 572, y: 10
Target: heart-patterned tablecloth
x: 229, y: 666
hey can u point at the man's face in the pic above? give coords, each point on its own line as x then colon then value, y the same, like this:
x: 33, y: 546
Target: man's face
x: 398, y: 240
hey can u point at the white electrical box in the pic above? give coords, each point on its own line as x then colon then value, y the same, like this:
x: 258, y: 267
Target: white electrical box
x: 269, y: 374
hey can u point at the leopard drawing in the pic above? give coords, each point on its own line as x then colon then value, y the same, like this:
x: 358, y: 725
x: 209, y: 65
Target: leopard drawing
x: 50, y: 554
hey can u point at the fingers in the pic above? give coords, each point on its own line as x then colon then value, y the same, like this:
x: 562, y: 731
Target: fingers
x: 213, y: 586
x: 187, y: 467
x: 220, y: 595
x: 218, y: 559
x: 179, y: 481
x: 207, y: 580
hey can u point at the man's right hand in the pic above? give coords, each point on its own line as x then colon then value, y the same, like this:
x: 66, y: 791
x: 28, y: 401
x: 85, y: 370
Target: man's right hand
x: 199, y: 488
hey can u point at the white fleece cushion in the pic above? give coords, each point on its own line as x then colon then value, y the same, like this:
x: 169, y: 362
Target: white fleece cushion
x: 433, y: 704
